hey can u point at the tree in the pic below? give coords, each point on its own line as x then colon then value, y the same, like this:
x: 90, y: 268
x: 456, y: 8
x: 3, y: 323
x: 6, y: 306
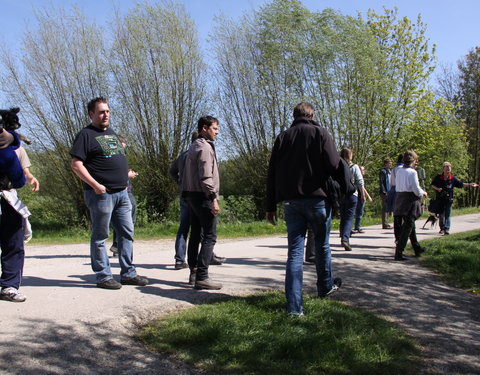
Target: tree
x: 160, y: 84
x: 469, y: 97
x: 63, y: 66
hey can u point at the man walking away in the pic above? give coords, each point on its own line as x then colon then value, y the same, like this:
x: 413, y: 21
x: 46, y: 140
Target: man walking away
x: 98, y: 158
x: 303, y: 158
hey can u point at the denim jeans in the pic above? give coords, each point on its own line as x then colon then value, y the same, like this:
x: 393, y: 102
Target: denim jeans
x: 11, y: 244
x: 182, y: 233
x: 133, y: 201
x: 347, y: 214
x: 117, y: 209
x: 359, y: 211
x: 203, y: 228
x: 298, y: 214
x: 444, y: 220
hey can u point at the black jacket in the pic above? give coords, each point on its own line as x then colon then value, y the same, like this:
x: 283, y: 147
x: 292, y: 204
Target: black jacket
x: 303, y: 157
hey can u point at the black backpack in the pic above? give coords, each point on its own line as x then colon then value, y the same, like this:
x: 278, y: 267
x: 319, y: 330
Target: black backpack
x: 340, y: 185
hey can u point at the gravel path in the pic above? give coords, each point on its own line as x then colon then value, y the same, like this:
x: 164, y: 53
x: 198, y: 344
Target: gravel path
x: 68, y: 326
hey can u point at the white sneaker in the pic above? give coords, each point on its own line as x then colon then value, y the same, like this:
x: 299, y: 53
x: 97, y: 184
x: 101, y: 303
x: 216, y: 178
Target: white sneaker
x: 11, y: 294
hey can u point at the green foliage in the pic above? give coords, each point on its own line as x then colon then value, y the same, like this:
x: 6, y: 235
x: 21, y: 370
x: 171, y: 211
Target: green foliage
x: 254, y: 335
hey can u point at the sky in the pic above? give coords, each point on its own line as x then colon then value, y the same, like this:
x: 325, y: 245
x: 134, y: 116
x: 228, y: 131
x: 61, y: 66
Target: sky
x: 451, y: 25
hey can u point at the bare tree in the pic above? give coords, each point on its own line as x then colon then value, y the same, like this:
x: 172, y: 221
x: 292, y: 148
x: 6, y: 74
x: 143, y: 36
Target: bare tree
x: 62, y: 67
x: 160, y: 84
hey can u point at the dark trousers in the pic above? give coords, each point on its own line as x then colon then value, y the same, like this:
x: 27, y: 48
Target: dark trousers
x: 397, y: 227
x: 408, y: 232
x: 11, y: 243
x: 203, y: 228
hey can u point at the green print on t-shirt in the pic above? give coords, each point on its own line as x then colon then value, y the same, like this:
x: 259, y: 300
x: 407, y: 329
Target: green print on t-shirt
x: 110, y: 144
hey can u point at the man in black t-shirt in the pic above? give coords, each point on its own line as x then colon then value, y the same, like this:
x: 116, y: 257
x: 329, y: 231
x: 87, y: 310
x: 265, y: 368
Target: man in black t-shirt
x: 98, y: 158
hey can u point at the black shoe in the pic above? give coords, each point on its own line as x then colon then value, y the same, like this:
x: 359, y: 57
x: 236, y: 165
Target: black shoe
x: 217, y: 261
x: 446, y: 233
x: 135, y: 280
x: 180, y: 265
x: 346, y: 245
x: 192, y: 277
x: 387, y: 226
x: 400, y: 257
x: 419, y: 251
x: 337, y: 283
x: 207, y: 284
x: 441, y: 231
x: 109, y: 284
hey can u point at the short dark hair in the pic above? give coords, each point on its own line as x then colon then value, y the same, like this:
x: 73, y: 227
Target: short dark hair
x: 400, y: 158
x: 386, y: 161
x: 346, y: 153
x: 205, y: 121
x: 303, y: 109
x: 93, y: 103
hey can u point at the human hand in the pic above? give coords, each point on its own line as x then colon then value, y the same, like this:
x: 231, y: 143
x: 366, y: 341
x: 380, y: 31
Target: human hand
x: 31, y: 180
x: 271, y: 217
x: 132, y: 173
x: 100, y: 189
x: 216, y: 207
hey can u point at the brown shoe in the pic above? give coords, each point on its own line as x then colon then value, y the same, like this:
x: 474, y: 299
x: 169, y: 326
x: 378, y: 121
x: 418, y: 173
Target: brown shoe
x: 346, y: 245
x: 207, y: 284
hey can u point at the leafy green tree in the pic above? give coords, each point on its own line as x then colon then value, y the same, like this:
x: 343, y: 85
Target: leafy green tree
x: 469, y: 98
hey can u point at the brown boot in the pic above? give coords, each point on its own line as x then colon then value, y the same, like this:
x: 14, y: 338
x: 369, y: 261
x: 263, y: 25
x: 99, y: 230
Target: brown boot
x: 207, y: 284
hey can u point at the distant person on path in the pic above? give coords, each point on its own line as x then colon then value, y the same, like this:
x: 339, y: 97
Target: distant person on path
x: 176, y: 172
x: 443, y: 184
x: 200, y: 188
x: 11, y: 221
x: 98, y: 158
x: 131, y: 175
x: 362, y: 197
x: 303, y: 158
x: 385, y: 177
x: 408, y: 204
x: 349, y: 203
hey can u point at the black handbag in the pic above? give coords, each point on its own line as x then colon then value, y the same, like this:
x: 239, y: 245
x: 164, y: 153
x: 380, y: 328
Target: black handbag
x: 435, y: 206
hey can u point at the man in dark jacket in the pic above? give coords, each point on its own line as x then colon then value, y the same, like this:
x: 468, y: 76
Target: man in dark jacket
x: 302, y: 159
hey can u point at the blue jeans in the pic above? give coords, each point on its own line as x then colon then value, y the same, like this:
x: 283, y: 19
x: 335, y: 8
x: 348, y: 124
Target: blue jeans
x: 359, y: 211
x: 133, y: 201
x: 444, y: 221
x: 298, y: 214
x: 347, y: 214
x: 117, y: 209
x: 182, y: 233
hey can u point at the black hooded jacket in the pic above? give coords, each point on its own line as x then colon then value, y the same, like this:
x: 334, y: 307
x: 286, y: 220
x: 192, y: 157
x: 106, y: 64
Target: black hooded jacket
x: 303, y: 158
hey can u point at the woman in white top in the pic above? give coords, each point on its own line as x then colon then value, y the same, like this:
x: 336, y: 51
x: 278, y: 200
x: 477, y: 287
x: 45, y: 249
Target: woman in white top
x: 408, y: 204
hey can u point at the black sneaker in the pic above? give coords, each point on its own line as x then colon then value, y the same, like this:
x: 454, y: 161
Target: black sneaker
x: 419, y: 251
x: 135, y: 280
x: 109, y: 284
x: 217, y: 261
x: 337, y: 283
x: 180, y: 265
x: 446, y: 233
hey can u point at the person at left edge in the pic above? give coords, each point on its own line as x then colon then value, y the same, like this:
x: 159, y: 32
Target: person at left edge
x: 98, y: 158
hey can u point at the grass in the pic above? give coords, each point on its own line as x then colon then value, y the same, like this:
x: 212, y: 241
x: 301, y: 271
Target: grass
x: 57, y: 233
x: 457, y: 258
x: 254, y: 335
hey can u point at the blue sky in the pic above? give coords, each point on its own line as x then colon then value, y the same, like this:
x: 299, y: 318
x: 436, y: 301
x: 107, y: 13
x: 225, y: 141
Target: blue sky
x: 452, y: 25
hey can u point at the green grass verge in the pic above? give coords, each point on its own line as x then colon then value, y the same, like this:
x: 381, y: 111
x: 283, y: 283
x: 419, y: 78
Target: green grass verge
x: 457, y: 258
x: 254, y: 335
